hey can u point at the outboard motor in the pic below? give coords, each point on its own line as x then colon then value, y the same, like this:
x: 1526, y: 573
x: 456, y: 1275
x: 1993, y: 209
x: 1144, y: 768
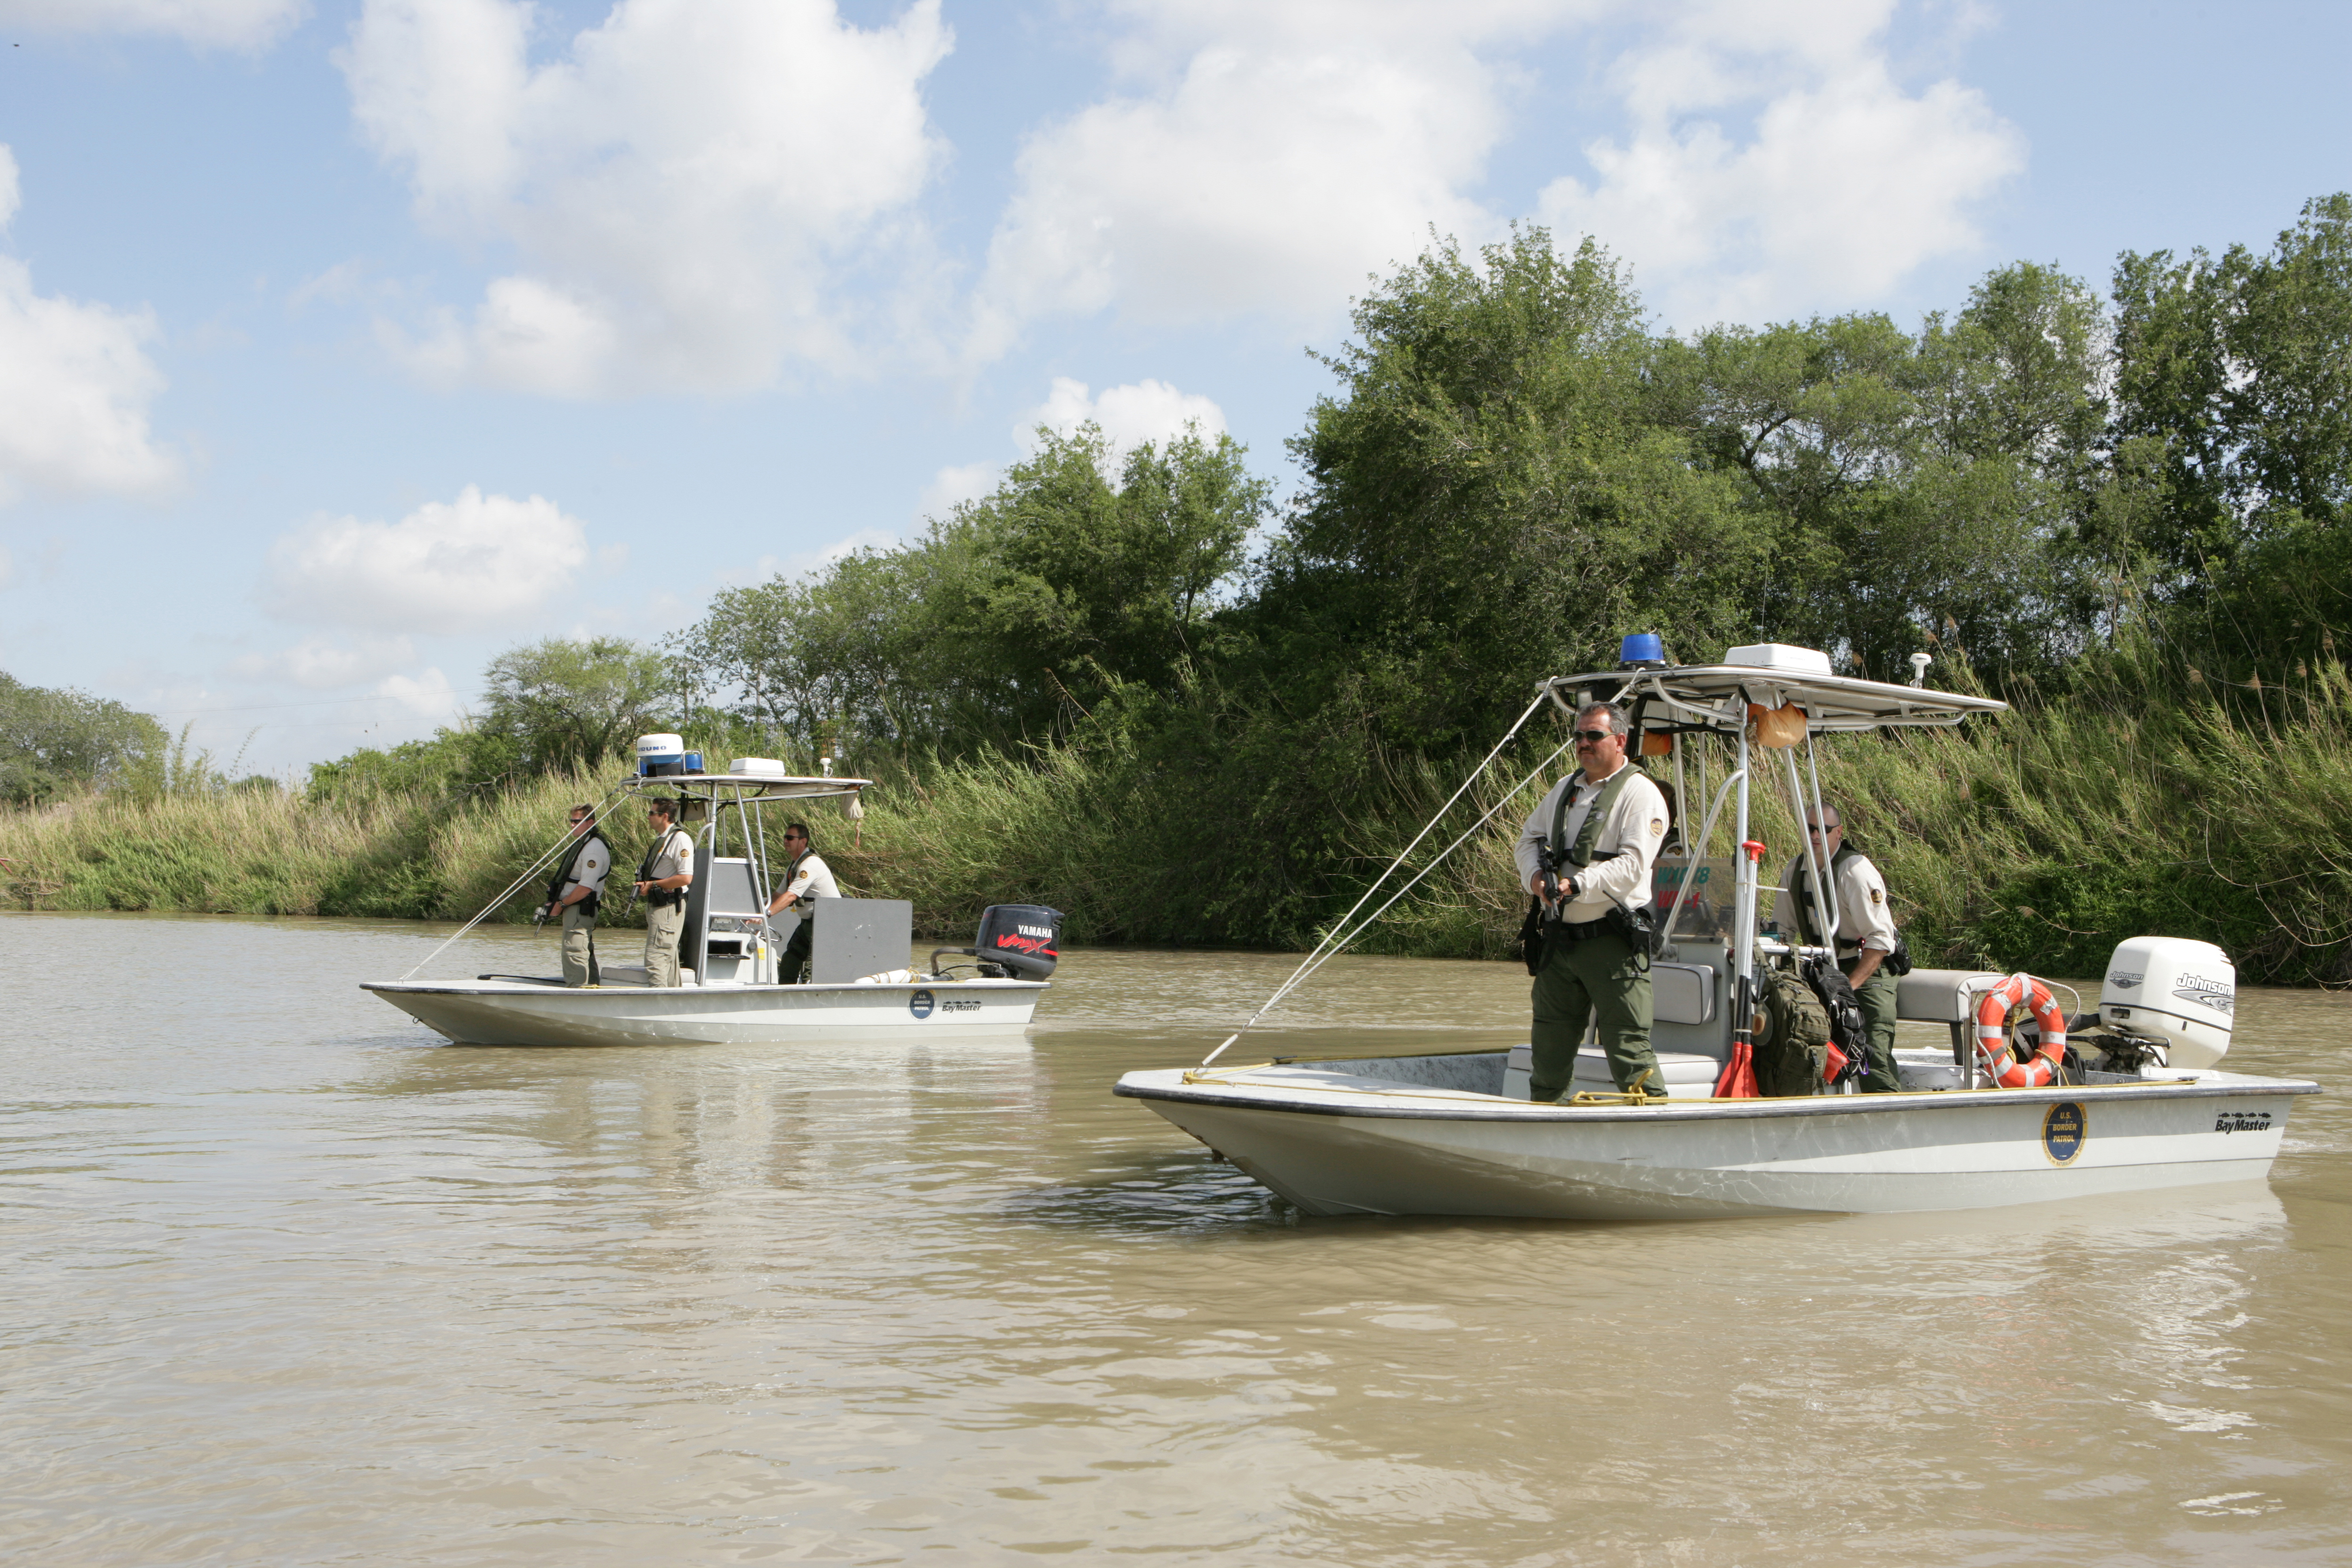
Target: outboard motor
x: 1016, y: 942
x: 2180, y: 994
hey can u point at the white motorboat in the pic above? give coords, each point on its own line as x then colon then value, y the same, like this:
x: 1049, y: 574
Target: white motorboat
x: 860, y: 978
x: 2133, y: 1100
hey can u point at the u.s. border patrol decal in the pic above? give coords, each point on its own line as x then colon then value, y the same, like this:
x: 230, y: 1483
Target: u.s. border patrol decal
x: 2063, y: 1133
x: 919, y: 1003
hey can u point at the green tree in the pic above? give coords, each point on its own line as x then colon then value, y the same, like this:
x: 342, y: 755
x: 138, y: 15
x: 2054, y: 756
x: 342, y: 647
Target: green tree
x: 1010, y: 617
x: 56, y: 741
x: 564, y: 702
x: 460, y: 761
x: 1492, y: 497
x: 2239, y: 372
x: 1923, y: 488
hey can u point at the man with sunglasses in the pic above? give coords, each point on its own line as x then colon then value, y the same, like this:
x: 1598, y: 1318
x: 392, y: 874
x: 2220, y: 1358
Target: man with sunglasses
x: 574, y: 892
x: 663, y: 877
x: 1603, y: 824
x: 806, y: 878
x: 1867, y: 941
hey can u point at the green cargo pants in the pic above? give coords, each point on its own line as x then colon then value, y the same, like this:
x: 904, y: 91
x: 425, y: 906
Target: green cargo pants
x: 1580, y: 980
x: 1878, y: 999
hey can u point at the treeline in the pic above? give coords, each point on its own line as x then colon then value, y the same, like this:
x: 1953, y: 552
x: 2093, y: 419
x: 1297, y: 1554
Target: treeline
x: 1146, y: 688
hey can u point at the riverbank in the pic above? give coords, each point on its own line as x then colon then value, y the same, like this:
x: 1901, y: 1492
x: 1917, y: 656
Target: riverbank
x: 2043, y: 839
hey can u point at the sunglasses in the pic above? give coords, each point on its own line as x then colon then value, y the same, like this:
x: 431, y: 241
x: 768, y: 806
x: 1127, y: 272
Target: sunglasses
x: 796, y: 838
x: 1594, y: 736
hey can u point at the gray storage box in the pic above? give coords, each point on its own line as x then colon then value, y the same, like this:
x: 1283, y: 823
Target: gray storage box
x: 855, y: 938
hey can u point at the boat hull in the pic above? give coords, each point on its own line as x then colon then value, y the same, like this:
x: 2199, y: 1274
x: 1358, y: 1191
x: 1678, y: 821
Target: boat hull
x: 510, y: 1013
x: 1338, y: 1144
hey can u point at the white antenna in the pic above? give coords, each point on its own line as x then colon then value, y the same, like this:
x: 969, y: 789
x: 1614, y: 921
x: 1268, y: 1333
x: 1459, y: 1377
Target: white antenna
x: 1919, y: 663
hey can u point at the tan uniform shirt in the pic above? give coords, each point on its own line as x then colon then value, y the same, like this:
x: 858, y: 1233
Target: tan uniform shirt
x: 590, y: 869
x: 676, y: 857
x: 1864, y: 918
x: 813, y: 880
x: 1633, y: 829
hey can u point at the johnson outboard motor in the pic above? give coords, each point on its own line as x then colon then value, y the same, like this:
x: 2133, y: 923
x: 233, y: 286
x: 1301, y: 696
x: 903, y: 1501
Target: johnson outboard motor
x: 1016, y: 942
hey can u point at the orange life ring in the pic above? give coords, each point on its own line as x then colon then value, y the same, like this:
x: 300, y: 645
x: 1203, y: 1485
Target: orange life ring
x: 1992, y: 1032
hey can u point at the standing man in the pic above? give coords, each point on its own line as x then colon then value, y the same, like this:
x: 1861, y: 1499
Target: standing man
x: 1866, y: 937
x: 576, y: 890
x: 662, y: 879
x: 1603, y: 824
x: 807, y: 878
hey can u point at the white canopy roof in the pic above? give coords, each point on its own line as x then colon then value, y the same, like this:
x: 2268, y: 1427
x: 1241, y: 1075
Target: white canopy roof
x: 1718, y: 696
x: 749, y: 787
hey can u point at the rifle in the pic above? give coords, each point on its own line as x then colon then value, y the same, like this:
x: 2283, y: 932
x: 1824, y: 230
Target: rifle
x: 1547, y: 866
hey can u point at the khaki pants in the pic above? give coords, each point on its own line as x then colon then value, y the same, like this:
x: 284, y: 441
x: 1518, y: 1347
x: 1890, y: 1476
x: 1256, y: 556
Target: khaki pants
x: 663, y: 926
x: 1580, y: 981
x: 578, y: 946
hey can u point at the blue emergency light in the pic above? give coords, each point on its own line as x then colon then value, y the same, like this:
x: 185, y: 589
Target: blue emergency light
x: 1642, y: 650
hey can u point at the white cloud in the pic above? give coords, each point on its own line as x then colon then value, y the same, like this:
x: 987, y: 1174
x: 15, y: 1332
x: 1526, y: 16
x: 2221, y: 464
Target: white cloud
x: 207, y: 24
x: 429, y: 696
x: 8, y: 569
x: 329, y: 664
x: 1838, y: 186
x: 481, y: 563
x: 953, y: 486
x: 1266, y: 158
x: 683, y: 188
x: 75, y: 383
x: 1270, y: 159
x: 1127, y: 415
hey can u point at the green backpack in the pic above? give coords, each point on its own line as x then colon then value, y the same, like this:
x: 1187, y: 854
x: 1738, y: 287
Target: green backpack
x: 1793, y: 1049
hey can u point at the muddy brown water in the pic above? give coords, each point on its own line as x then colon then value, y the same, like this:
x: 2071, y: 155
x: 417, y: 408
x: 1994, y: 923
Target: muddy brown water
x: 286, y: 1282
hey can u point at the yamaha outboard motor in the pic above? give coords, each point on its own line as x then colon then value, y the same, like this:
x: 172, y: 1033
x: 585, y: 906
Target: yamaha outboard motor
x: 1016, y: 942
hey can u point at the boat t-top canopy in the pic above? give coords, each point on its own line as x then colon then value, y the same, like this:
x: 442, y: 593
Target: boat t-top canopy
x: 750, y: 789
x: 1717, y: 697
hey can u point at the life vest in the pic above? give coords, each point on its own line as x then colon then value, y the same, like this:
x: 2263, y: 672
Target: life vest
x: 1580, y: 854
x: 1802, y: 891
x: 661, y: 898
x: 572, y: 858
x: 804, y: 908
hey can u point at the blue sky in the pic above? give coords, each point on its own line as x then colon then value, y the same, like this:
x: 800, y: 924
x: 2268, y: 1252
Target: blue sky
x: 346, y: 342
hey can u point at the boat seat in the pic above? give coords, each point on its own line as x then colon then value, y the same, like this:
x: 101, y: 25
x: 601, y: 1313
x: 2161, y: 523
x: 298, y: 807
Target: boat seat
x: 1689, y: 1074
x: 1683, y: 993
x: 1941, y: 996
x: 635, y: 974
x: 1681, y: 1067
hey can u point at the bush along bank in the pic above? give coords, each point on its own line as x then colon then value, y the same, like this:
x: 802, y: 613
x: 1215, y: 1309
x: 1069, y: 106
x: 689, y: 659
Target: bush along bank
x: 2039, y: 839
